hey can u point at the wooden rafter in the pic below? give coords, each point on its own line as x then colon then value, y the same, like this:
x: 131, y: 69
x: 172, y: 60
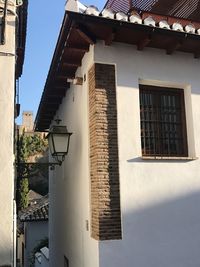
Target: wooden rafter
x: 71, y: 63
x: 78, y: 48
x: 111, y: 37
x: 86, y: 35
x: 175, y: 46
x: 144, y: 42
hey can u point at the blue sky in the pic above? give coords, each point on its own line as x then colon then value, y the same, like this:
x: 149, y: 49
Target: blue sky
x: 44, y: 21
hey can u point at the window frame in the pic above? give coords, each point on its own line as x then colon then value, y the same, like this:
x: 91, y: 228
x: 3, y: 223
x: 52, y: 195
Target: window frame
x: 157, y: 92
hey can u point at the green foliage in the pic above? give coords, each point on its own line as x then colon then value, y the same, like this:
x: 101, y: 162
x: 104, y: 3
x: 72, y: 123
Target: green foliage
x: 41, y: 244
x: 28, y: 145
x: 23, y: 192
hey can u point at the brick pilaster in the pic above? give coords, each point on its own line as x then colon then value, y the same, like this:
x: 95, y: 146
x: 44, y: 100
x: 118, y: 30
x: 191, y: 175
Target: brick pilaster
x: 104, y: 163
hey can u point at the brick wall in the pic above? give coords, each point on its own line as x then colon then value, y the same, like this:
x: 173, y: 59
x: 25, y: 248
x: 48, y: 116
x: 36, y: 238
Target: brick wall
x: 104, y: 164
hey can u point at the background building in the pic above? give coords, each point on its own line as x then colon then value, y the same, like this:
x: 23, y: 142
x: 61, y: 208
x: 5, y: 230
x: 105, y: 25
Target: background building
x: 33, y: 230
x: 12, y: 46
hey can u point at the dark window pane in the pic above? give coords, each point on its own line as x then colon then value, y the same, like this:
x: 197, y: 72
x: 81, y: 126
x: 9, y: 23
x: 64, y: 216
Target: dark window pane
x: 163, y: 126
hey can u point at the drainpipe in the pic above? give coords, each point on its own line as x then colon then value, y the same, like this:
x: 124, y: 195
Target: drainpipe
x: 3, y: 24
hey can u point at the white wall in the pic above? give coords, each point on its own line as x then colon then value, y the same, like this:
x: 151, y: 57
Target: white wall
x: 34, y: 233
x: 69, y: 185
x: 7, y: 81
x: 160, y: 200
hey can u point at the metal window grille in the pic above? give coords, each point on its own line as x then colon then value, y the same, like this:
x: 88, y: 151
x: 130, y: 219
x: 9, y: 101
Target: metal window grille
x: 163, y: 124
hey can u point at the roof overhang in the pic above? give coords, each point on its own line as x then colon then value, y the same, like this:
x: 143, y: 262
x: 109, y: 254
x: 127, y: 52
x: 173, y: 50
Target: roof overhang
x: 21, y: 37
x: 79, y: 31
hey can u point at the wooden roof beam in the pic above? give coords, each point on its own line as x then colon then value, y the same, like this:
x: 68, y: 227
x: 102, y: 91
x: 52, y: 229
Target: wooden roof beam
x: 53, y: 96
x: 144, y: 42
x: 59, y: 84
x: 51, y: 108
x: 71, y: 63
x: 47, y: 116
x: 68, y: 75
x: 175, y: 46
x: 51, y: 113
x: 61, y: 78
x: 86, y: 35
x: 78, y: 48
x: 57, y: 87
x: 51, y: 101
x: 55, y: 92
x: 146, y: 39
x: 110, y: 38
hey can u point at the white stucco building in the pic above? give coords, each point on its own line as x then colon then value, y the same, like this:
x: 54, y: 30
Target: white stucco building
x: 128, y: 192
x: 34, y: 231
x: 12, y: 44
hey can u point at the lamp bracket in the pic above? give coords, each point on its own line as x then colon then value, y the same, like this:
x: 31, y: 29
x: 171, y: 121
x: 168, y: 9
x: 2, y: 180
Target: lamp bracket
x: 47, y: 164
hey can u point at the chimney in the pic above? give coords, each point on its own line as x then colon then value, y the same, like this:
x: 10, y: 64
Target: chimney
x: 75, y: 6
x: 72, y: 5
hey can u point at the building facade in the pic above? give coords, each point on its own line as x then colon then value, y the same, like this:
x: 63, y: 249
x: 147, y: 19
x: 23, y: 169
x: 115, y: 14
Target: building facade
x: 34, y: 231
x: 11, y: 61
x: 128, y: 89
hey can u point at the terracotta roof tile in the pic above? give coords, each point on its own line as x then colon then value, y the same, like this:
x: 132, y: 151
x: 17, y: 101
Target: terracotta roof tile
x: 36, y: 212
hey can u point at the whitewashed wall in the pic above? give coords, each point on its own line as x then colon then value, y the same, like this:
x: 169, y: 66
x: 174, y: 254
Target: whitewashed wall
x: 34, y: 233
x: 7, y: 81
x: 160, y: 200
x: 70, y: 186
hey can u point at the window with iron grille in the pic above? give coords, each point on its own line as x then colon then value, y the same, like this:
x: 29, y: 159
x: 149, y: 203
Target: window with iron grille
x: 163, y: 124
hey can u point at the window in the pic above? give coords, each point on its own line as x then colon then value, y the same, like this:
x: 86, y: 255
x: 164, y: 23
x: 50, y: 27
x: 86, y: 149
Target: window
x: 163, y: 124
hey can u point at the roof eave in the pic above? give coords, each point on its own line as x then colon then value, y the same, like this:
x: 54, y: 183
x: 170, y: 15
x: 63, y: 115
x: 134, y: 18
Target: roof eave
x: 93, y: 25
x: 21, y: 42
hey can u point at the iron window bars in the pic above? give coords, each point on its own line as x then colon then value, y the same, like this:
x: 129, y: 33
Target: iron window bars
x: 163, y: 123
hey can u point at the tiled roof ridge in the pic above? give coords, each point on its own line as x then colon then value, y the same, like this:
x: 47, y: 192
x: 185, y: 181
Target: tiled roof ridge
x: 148, y: 18
x: 38, y: 211
x: 178, y: 8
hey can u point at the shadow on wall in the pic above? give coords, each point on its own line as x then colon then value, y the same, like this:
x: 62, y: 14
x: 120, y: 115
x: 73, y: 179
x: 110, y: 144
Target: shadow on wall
x: 163, y: 235
x: 5, y: 257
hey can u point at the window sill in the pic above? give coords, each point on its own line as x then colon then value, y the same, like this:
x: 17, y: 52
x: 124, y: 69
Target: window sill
x: 168, y: 158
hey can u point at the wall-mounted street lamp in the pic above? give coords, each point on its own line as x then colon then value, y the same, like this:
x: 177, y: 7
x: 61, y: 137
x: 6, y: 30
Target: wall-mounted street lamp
x: 58, y: 139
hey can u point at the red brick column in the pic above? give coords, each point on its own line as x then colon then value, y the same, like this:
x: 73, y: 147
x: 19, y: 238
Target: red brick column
x: 104, y: 163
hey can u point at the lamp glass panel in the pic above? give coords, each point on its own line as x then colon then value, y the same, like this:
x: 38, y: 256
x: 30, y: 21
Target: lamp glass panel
x: 61, y: 142
x: 51, y: 144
